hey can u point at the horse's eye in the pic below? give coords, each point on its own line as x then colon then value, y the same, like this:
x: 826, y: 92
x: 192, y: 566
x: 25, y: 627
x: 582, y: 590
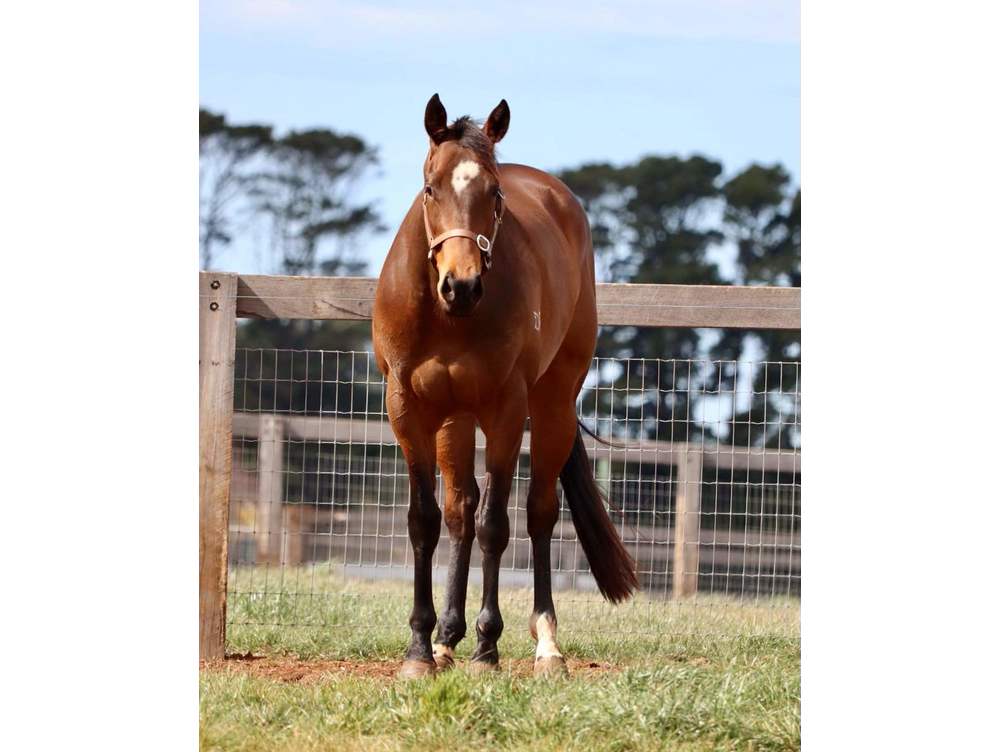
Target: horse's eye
x: 428, y: 190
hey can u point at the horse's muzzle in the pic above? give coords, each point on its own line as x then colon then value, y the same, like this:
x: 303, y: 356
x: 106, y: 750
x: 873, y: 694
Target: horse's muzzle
x: 460, y: 296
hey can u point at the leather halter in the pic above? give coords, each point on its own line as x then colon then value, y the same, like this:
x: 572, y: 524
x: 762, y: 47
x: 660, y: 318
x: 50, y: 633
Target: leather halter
x: 485, y: 244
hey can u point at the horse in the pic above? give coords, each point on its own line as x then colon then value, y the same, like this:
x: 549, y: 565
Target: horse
x: 485, y: 314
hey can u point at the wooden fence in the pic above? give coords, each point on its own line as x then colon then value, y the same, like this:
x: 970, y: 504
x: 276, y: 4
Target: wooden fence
x: 282, y: 525
x: 225, y: 297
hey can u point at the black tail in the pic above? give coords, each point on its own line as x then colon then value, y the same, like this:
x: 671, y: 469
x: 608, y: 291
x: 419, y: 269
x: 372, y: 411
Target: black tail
x: 610, y: 563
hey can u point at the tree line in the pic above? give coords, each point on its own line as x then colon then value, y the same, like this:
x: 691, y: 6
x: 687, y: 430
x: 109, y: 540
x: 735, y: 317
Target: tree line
x: 661, y: 219
x: 296, y: 189
x: 658, y: 221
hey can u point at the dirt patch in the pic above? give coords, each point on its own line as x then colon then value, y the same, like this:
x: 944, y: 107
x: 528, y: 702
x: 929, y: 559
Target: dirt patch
x: 293, y: 670
x: 526, y: 667
x: 697, y: 660
x: 285, y: 669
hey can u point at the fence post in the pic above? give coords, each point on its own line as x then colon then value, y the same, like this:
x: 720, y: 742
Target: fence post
x: 216, y: 356
x: 687, y: 521
x: 270, y: 483
x: 291, y: 549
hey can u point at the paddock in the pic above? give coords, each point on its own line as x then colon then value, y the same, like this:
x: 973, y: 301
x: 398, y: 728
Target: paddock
x: 304, y: 492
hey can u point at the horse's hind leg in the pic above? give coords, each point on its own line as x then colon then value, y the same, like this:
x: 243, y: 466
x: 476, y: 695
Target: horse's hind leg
x: 456, y: 455
x: 553, y: 430
x: 504, y: 427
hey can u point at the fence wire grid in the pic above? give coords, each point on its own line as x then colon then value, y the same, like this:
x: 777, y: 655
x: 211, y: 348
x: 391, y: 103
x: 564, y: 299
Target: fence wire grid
x: 320, y: 488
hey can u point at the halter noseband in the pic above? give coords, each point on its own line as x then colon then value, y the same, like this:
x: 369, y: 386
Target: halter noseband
x: 485, y: 244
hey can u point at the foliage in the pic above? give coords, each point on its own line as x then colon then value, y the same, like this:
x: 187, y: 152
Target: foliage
x: 764, y: 223
x: 302, y: 193
x: 659, y: 221
x: 304, y: 335
x: 226, y: 152
x: 297, y: 188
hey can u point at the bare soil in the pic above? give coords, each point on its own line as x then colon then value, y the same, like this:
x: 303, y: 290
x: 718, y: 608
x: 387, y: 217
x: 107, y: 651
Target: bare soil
x: 288, y: 669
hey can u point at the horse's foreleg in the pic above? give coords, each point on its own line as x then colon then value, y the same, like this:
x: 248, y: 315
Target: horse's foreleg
x: 553, y: 430
x: 456, y: 454
x: 504, y: 428
x: 424, y: 526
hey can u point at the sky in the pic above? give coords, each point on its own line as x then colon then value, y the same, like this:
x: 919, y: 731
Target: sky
x: 585, y: 82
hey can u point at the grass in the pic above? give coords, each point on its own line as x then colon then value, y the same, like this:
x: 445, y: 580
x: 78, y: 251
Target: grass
x: 711, y: 676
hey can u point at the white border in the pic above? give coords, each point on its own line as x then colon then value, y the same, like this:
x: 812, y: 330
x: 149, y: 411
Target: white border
x: 901, y: 292
x: 900, y: 169
x: 98, y: 157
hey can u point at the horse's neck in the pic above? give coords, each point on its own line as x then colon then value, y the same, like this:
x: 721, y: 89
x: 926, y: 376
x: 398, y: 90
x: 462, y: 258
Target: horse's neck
x: 408, y: 273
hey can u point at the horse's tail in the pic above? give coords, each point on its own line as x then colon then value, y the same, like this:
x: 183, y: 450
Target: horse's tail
x: 610, y: 563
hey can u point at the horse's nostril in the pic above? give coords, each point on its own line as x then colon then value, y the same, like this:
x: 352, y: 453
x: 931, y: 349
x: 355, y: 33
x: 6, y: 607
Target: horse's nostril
x: 460, y: 294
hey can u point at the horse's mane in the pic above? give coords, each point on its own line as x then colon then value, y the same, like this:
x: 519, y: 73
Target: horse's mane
x: 468, y: 133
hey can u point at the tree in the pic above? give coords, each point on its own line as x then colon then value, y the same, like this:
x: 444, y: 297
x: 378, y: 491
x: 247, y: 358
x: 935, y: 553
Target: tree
x: 656, y: 221
x: 651, y: 223
x: 225, y: 153
x: 298, y: 187
x: 303, y: 194
x: 764, y: 223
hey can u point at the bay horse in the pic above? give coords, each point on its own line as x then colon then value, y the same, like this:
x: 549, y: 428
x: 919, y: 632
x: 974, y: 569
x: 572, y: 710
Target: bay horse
x: 485, y: 313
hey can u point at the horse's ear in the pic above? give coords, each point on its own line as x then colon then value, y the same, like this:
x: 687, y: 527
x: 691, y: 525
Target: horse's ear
x: 497, y: 122
x: 436, y: 120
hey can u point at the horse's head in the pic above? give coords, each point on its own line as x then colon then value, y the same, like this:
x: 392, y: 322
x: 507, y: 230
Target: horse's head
x: 463, y: 203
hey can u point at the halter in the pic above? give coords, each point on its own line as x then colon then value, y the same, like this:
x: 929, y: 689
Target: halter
x: 485, y: 244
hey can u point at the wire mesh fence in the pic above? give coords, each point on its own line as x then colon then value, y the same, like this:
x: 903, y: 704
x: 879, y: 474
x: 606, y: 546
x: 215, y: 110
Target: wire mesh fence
x: 701, y: 471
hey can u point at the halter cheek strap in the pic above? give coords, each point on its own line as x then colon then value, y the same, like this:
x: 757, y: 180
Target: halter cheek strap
x: 485, y: 244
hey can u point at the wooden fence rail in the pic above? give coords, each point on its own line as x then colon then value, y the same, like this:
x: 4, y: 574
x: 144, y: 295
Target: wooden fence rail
x: 224, y: 297
x: 678, y: 306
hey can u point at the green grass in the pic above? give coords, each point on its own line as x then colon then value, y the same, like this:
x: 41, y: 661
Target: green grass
x: 711, y: 676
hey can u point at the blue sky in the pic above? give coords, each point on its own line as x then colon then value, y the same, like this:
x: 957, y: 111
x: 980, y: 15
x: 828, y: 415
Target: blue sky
x: 585, y: 82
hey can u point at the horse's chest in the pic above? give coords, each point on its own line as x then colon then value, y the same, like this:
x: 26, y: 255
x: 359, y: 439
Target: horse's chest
x: 461, y: 383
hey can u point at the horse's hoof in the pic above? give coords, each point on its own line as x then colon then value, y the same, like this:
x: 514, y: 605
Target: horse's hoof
x: 416, y: 669
x: 483, y: 667
x: 553, y: 666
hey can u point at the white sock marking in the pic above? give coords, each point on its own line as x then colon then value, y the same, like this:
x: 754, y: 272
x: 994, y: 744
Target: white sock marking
x: 463, y: 173
x: 546, y: 629
x: 443, y: 650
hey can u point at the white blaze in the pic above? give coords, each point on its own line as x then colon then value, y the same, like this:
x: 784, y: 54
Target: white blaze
x: 546, y: 630
x: 462, y: 174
